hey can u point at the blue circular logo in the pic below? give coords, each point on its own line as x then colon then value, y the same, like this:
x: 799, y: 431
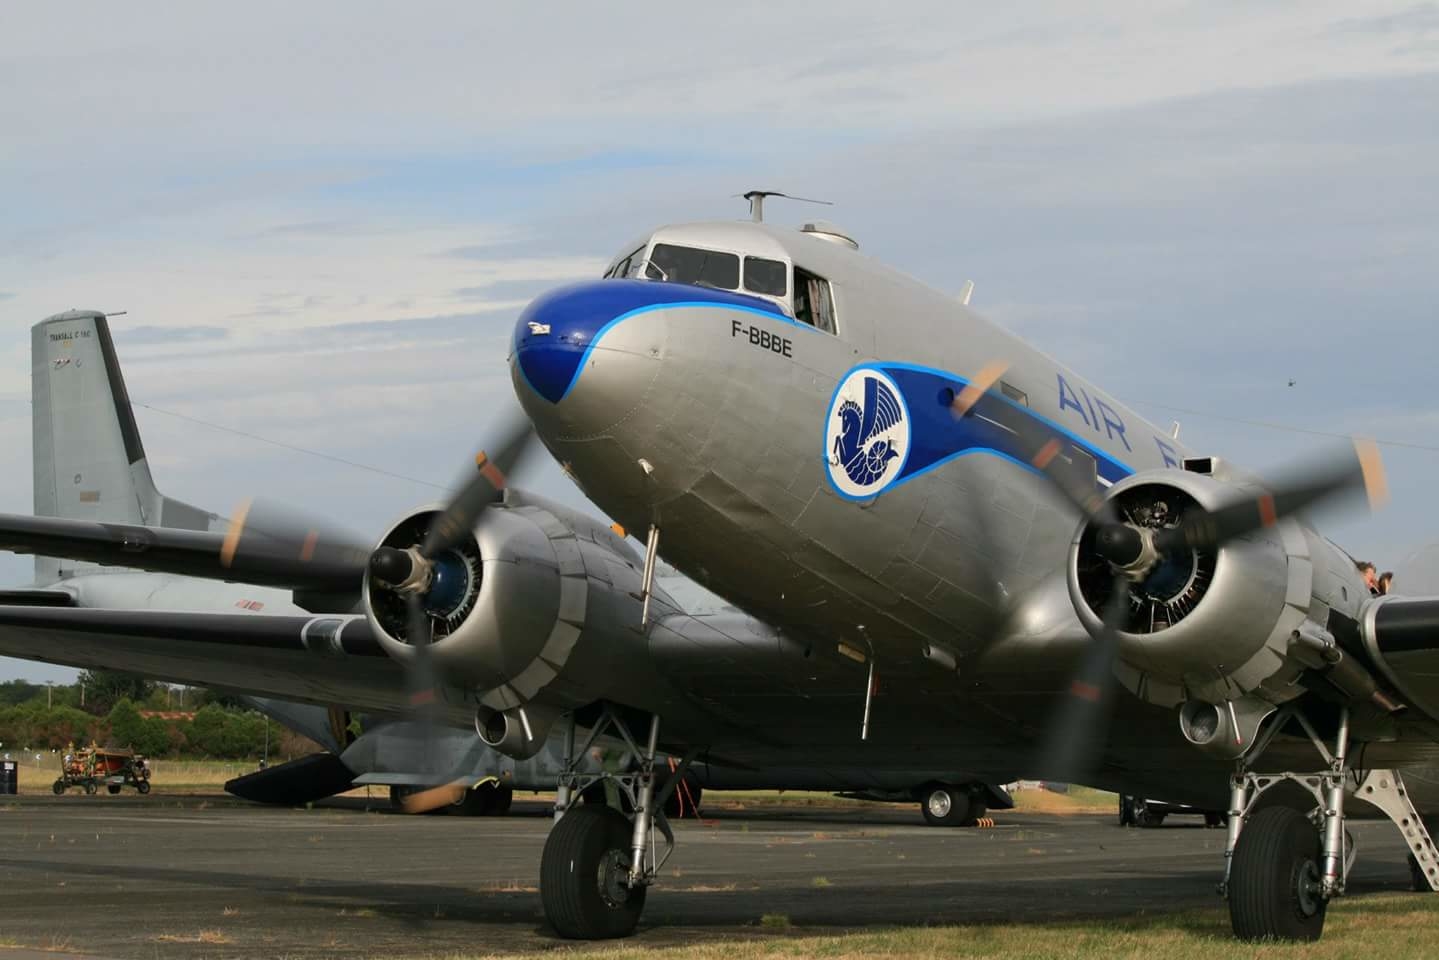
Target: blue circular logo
x: 867, y: 434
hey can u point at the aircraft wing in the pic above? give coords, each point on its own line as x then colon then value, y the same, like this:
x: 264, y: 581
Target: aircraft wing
x: 192, y: 553
x: 1401, y: 634
x: 322, y: 659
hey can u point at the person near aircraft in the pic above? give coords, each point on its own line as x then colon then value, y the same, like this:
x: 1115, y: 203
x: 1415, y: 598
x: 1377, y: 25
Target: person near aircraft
x: 1385, y: 582
x: 1371, y: 580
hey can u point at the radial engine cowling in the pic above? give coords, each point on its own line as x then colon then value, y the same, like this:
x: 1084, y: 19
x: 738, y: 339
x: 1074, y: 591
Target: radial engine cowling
x: 1213, y: 623
x: 495, y: 601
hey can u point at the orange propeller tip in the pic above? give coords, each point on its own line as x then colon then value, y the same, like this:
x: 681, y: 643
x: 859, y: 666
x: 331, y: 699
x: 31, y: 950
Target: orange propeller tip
x: 988, y: 375
x: 1376, y: 484
x: 434, y: 798
x: 231, y: 542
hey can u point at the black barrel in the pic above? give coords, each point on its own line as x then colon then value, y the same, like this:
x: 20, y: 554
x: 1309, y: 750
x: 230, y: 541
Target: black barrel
x: 9, y: 778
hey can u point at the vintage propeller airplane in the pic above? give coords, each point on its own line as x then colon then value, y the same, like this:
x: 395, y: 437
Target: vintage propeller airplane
x: 945, y: 544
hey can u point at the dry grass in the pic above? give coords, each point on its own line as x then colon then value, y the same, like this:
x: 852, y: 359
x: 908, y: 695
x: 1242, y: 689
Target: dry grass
x: 1380, y: 926
x: 212, y: 937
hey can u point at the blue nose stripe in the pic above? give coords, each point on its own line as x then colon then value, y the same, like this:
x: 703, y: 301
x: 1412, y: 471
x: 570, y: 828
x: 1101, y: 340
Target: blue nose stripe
x: 556, y: 333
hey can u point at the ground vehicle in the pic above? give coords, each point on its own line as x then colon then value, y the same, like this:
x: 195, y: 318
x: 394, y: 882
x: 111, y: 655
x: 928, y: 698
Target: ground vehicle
x: 92, y: 766
x: 1145, y: 812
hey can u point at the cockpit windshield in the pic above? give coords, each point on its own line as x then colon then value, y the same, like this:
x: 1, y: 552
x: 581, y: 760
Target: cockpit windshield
x: 708, y: 268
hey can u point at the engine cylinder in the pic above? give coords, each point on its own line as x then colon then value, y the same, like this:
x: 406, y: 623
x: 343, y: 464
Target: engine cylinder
x: 1207, y: 623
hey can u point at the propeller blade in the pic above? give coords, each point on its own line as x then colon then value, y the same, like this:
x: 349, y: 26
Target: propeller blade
x: 1077, y: 729
x: 1320, y: 482
x: 266, y: 535
x: 483, y: 489
x: 1040, y: 447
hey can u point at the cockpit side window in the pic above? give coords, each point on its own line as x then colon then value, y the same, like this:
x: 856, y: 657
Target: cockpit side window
x: 765, y: 276
x: 627, y: 265
x: 708, y: 268
x: 813, y: 301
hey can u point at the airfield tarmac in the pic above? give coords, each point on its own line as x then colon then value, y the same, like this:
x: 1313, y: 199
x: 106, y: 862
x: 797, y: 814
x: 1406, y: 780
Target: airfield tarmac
x: 167, y: 877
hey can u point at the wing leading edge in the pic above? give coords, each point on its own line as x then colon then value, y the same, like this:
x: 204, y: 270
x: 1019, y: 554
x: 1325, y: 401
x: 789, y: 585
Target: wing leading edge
x: 322, y: 659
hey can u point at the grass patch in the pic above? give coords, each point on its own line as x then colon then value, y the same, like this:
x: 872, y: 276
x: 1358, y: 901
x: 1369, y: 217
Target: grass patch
x: 820, y: 882
x: 1390, y: 925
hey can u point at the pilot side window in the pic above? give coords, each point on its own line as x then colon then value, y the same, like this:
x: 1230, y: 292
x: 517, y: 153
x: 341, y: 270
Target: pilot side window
x: 706, y: 268
x: 626, y: 266
x: 765, y: 276
x: 813, y: 302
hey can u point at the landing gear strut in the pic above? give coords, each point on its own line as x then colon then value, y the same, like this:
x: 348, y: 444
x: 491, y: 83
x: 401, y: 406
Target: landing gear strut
x: 1282, y: 867
x: 597, y: 865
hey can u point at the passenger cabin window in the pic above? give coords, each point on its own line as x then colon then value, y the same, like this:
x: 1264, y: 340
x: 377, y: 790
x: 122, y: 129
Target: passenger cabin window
x: 765, y: 276
x: 706, y: 268
x: 813, y: 303
x: 626, y: 266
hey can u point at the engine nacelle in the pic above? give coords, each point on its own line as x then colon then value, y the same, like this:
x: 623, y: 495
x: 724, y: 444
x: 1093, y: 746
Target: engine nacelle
x: 534, y: 610
x: 1211, y: 624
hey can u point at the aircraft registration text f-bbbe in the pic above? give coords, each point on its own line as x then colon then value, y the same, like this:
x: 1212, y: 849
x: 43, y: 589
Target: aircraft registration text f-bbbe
x: 946, y: 546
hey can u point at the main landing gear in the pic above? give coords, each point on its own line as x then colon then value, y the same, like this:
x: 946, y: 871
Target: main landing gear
x: 598, y: 864
x: 1283, y: 866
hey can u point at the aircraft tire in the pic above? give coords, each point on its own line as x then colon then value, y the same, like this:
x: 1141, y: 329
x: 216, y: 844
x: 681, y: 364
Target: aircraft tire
x: 684, y: 802
x: 90, y: 788
x: 143, y: 786
x: 477, y: 801
x: 944, y: 805
x: 501, y: 800
x: 1215, y: 820
x: 58, y: 786
x: 1126, y: 810
x: 582, y: 872
x: 1274, y: 879
x: 1144, y: 818
x: 112, y: 788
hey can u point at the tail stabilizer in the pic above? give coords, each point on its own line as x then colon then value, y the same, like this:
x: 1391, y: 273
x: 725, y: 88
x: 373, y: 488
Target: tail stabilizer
x: 89, y: 461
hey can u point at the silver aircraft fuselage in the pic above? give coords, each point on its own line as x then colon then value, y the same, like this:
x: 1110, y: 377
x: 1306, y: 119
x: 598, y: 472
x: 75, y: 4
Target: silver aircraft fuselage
x: 720, y: 418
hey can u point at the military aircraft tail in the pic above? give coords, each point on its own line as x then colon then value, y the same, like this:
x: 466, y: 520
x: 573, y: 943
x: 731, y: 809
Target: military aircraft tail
x: 89, y: 462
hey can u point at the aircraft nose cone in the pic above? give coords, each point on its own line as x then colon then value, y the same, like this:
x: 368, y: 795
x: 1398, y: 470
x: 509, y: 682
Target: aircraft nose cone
x: 556, y: 333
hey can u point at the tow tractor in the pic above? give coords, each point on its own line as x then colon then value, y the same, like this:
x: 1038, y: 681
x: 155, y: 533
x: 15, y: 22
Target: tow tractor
x: 92, y: 766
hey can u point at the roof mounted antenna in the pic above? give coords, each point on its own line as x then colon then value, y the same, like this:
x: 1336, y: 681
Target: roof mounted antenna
x: 756, y: 202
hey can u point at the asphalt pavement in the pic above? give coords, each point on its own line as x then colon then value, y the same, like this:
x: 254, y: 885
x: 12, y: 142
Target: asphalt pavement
x: 167, y: 877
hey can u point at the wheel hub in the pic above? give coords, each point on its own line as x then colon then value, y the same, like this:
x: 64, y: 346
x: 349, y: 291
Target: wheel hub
x: 1308, y: 889
x: 940, y: 803
x: 614, y: 877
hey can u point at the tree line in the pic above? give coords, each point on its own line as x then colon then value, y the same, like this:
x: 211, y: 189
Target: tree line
x: 40, y: 718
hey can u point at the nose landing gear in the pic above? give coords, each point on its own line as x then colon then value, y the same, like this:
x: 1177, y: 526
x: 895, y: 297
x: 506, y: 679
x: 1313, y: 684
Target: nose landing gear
x: 1282, y: 866
x: 597, y: 864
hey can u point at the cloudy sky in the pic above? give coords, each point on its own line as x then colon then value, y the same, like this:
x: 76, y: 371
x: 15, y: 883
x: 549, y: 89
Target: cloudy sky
x: 322, y: 218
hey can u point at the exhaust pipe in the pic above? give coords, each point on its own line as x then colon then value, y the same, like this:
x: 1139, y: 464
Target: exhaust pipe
x: 519, y: 732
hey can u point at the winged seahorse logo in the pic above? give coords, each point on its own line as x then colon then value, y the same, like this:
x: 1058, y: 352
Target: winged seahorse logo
x: 867, y: 441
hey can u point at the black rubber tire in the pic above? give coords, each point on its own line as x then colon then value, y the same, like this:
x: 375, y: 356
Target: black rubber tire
x: 1215, y: 819
x: 587, y: 845
x: 1144, y: 818
x: 1126, y: 810
x: 501, y: 800
x: 58, y: 786
x: 143, y: 786
x: 90, y: 788
x: 112, y: 788
x: 475, y: 802
x: 1278, y: 851
x: 943, y: 805
x: 684, y: 802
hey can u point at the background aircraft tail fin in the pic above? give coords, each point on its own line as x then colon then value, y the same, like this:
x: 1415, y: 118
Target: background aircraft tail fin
x: 89, y: 462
